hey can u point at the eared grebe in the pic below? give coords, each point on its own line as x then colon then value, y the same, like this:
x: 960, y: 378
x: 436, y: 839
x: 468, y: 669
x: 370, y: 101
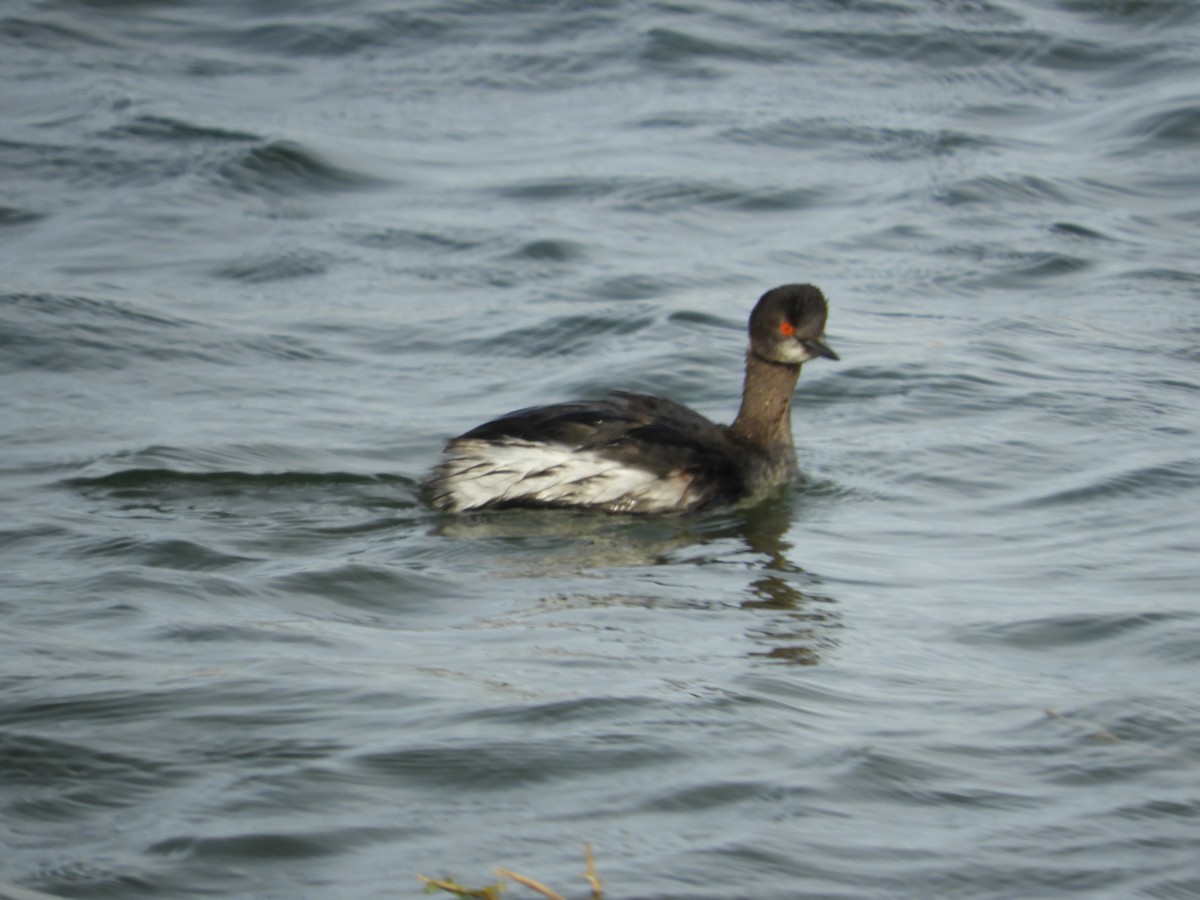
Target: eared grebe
x: 633, y: 453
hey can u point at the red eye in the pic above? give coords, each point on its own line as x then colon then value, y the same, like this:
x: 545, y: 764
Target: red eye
x: 787, y: 329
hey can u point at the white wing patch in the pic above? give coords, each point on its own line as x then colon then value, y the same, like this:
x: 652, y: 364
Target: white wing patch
x: 511, y: 472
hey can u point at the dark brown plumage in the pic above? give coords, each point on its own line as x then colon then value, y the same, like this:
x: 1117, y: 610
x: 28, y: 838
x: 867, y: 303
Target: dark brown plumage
x: 638, y: 453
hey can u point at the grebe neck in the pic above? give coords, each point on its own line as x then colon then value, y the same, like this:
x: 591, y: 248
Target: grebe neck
x: 764, y: 421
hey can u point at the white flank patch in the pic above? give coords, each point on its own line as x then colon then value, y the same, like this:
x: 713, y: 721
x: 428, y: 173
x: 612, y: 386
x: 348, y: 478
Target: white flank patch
x: 482, y: 473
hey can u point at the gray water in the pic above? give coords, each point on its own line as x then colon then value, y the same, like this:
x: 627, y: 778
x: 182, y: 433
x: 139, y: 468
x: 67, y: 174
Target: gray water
x: 260, y: 259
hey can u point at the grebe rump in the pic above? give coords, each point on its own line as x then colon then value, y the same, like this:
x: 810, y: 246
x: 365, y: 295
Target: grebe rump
x: 640, y: 454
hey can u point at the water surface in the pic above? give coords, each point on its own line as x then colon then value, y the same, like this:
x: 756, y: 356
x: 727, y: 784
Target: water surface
x: 261, y: 259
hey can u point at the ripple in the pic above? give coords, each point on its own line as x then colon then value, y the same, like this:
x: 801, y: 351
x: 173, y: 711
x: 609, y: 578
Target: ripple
x: 370, y: 587
x: 11, y: 216
x: 271, y: 509
x: 659, y: 195
x: 544, y: 189
x: 88, y: 704
x: 51, y: 780
x: 413, y: 239
x: 672, y: 46
x: 846, y: 137
x: 1027, y: 269
x: 552, y: 250
x: 669, y: 195
x: 1177, y: 125
x: 551, y: 70
x: 277, y: 266
x: 91, y: 165
x: 261, y: 846
x: 129, y: 483
x: 168, y: 554
x: 1171, y: 276
x: 47, y: 35
x: 60, y: 333
x: 1070, y: 54
x: 165, y: 128
x: 712, y: 795
x: 511, y: 766
x: 1075, y: 230
x: 633, y: 286
x: 1156, y: 480
x: 523, y: 716
x: 287, y: 168
x: 1161, y: 809
x: 987, y: 189
x: 1161, y: 12
x: 237, y: 634
x: 63, y: 333
x: 567, y: 335
x: 329, y: 36
x: 1057, y: 632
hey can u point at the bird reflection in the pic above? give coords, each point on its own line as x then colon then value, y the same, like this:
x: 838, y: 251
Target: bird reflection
x: 792, y: 621
x: 797, y: 622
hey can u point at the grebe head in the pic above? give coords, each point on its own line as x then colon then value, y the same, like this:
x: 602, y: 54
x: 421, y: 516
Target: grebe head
x: 788, y: 324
